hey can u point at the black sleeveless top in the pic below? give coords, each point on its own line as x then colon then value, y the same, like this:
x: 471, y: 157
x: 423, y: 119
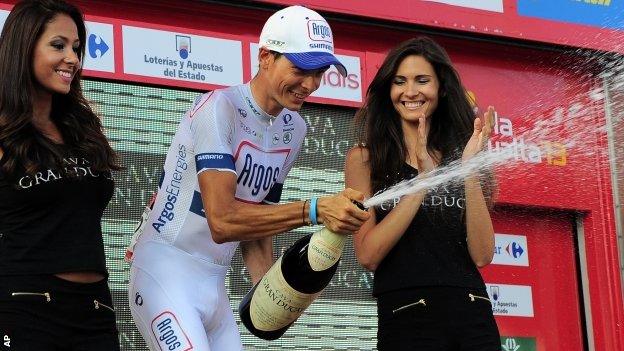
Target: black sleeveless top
x: 50, y: 221
x: 433, y: 250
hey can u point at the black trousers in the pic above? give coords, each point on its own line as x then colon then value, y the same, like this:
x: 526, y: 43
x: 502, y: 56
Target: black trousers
x: 436, y: 319
x: 47, y: 313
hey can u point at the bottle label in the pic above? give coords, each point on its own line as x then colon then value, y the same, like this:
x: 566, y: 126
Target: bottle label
x: 275, y: 304
x: 325, y: 249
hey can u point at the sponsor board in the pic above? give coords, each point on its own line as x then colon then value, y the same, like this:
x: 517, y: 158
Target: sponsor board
x: 516, y: 343
x: 3, y: 16
x: 598, y: 13
x: 487, y: 5
x: 507, y: 141
x: 100, y: 50
x: 181, y: 56
x: 511, y: 250
x: 511, y: 300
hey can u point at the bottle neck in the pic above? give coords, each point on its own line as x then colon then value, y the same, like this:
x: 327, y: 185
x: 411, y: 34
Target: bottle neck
x: 325, y: 249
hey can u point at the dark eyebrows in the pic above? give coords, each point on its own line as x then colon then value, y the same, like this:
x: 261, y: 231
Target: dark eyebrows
x: 65, y: 39
x: 418, y: 76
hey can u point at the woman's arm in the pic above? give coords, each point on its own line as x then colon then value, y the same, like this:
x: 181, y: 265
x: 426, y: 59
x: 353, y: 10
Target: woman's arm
x: 478, y: 221
x: 374, y: 240
x: 478, y: 224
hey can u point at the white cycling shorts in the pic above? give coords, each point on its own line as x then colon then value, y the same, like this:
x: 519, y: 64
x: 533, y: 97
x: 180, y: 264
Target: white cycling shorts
x: 179, y: 302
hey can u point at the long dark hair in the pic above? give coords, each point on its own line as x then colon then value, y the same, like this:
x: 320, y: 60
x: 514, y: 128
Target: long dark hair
x: 23, y: 145
x: 379, y: 124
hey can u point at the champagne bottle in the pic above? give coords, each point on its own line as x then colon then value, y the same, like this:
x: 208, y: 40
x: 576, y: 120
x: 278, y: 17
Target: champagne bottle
x: 294, y: 281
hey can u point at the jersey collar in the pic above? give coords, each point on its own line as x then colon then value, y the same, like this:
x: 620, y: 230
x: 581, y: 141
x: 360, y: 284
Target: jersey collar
x: 255, y: 108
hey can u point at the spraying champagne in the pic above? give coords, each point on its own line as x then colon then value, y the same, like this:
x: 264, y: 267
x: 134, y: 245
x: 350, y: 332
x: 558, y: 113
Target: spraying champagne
x: 294, y: 281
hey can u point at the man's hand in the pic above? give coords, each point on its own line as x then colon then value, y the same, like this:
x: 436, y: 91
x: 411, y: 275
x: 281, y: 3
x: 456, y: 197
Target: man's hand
x: 339, y: 214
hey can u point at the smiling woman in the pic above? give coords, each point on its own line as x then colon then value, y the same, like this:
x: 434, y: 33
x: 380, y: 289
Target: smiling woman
x: 52, y: 154
x: 424, y: 248
x: 55, y: 59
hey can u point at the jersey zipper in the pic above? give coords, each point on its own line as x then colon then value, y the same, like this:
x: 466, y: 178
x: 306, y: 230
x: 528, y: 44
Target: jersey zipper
x: 268, y: 139
x: 22, y: 293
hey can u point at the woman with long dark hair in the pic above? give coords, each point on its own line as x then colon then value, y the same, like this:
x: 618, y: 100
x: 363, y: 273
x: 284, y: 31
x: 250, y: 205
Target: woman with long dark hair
x: 55, y: 182
x: 424, y: 248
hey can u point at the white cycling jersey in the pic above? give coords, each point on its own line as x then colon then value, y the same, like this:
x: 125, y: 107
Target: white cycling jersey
x: 225, y: 130
x: 177, y: 292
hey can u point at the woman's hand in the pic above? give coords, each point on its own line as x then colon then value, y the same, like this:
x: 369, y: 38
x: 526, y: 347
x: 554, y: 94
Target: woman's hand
x: 424, y: 160
x: 480, y: 135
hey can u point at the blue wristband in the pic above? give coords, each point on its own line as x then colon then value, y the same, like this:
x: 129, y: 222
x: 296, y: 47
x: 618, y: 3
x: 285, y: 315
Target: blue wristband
x: 312, y: 212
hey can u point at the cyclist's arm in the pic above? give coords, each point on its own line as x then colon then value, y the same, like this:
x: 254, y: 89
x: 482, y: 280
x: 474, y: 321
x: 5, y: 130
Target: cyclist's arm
x: 233, y: 220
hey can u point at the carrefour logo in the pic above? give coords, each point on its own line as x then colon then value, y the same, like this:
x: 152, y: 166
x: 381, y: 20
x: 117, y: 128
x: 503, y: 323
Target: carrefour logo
x: 511, y: 250
x: 514, y: 249
x: 99, y: 47
x: 97, y: 44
